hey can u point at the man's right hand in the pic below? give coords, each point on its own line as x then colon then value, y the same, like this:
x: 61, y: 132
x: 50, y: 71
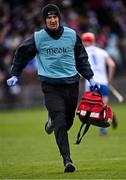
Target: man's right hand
x: 12, y: 81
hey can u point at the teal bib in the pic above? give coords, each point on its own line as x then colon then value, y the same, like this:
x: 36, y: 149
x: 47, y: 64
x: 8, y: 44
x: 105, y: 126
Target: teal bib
x: 56, y: 57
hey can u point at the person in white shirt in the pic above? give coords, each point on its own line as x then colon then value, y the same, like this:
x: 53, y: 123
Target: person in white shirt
x: 103, y: 67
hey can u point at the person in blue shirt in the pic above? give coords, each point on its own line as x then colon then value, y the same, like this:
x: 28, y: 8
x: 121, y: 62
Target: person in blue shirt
x: 61, y: 58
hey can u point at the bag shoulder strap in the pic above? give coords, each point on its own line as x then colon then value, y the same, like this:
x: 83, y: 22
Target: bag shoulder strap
x: 85, y: 130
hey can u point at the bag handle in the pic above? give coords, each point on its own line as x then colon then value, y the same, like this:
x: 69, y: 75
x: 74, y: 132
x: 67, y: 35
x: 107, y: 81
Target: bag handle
x: 86, y: 128
x: 95, y: 89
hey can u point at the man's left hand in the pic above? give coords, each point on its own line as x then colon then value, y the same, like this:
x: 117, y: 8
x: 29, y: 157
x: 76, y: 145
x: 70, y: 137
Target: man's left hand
x: 93, y: 84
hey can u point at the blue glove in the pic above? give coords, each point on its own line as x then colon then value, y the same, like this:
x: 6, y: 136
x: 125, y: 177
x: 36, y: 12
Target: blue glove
x: 94, y: 85
x: 12, y: 81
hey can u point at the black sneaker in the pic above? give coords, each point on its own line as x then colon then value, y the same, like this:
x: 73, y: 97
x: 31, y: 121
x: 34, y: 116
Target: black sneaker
x: 69, y: 167
x: 49, y: 126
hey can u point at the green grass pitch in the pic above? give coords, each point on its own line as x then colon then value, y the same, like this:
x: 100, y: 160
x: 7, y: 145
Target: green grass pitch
x: 27, y: 152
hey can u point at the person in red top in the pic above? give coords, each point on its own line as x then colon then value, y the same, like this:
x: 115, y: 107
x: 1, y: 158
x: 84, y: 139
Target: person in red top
x: 99, y: 60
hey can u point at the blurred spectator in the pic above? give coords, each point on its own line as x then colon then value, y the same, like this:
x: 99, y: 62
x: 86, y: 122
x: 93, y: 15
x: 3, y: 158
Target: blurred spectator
x: 72, y: 19
x: 13, y: 40
x: 93, y: 24
x: 8, y: 94
x: 110, y: 41
x: 114, y: 51
x: 101, y: 37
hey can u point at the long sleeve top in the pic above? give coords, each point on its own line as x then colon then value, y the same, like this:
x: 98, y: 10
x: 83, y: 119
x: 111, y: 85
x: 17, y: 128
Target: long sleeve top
x: 27, y: 51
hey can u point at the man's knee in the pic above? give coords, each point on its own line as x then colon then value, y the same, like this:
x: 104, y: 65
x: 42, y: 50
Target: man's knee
x: 58, y: 119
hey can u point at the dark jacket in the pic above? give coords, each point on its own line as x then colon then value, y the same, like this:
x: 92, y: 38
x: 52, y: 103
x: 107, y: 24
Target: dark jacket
x: 28, y: 51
